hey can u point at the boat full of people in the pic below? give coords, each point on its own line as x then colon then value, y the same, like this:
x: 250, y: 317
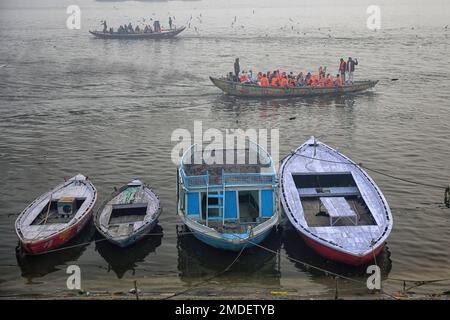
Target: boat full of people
x: 127, y: 31
x: 287, y: 84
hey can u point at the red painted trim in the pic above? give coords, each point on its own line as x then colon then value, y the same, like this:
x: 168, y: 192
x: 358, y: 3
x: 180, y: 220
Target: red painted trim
x: 339, y: 256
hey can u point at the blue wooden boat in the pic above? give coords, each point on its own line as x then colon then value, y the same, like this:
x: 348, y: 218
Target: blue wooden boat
x: 229, y: 205
x: 131, y: 212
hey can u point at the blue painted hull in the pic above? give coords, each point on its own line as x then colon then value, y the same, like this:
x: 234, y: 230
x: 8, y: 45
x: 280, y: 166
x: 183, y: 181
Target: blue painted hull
x: 227, y: 245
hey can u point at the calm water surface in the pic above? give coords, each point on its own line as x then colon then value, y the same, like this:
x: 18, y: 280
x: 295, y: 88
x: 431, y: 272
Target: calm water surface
x: 70, y: 103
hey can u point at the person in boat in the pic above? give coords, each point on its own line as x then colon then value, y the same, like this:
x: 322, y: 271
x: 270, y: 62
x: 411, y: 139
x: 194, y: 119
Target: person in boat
x: 237, y: 68
x: 338, y: 82
x: 274, y: 80
x: 300, y: 79
x: 351, y: 68
x: 137, y: 29
x: 243, y: 78
x: 230, y: 76
x: 313, y: 81
x: 130, y: 28
x: 259, y: 75
x: 329, y: 81
x: 105, y: 27
x: 308, y: 79
x: 283, y: 80
x: 170, y: 23
x: 264, y: 81
x: 156, y: 26
x: 342, y: 69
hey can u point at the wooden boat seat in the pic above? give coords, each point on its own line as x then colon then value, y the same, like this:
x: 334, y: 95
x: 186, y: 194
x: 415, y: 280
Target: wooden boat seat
x: 327, y: 192
x: 337, y: 208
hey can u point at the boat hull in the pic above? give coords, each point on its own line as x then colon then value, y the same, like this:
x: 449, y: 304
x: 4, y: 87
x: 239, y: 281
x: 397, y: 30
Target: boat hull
x: 153, y: 35
x: 57, y: 240
x: 126, y: 242
x: 228, y: 245
x: 339, y: 256
x: 256, y: 91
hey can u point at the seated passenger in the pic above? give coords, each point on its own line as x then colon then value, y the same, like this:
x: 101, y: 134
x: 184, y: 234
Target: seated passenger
x: 329, y: 81
x: 338, y: 81
x: 264, y: 80
x: 243, y: 78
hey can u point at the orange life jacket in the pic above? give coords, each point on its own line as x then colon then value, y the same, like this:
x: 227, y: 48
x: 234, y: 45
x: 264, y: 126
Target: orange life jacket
x: 283, y: 82
x: 339, y: 81
x: 274, y: 82
x: 243, y: 78
x: 313, y: 80
x: 329, y: 82
x: 264, y: 82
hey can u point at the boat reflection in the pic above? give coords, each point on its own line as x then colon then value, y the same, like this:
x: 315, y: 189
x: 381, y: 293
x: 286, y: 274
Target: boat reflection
x: 120, y: 260
x: 198, y: 261
x: 297, y: 249
x: 36, y: 266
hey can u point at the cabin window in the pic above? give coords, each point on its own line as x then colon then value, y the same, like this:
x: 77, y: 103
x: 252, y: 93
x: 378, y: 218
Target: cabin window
x: 248, y: 205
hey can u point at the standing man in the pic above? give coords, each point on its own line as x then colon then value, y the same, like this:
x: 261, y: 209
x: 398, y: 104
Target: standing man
x: 105, y: 27
x: 351, y: 68
x: 237, y: 68
x: 342, y: 69
x: 170, y: 23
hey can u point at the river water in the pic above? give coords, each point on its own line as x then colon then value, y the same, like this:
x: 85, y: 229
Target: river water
x: 71, y: 103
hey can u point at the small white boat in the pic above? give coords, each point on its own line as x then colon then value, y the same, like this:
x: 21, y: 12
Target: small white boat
x: 334, y: 204
x: 57, y: 216
x: 129, y: 214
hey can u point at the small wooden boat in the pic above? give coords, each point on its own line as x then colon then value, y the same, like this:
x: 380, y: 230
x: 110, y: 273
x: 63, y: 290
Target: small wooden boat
x: 129, y: 214
x: 57, y: 216
x: 227, y: 204
x: 165, y: 34
x: 256, y: 91
x: 334, y: 205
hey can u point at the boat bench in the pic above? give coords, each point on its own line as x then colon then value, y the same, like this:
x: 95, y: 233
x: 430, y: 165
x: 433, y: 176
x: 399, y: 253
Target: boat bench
x: 326, y: 192
x: 338, y: 208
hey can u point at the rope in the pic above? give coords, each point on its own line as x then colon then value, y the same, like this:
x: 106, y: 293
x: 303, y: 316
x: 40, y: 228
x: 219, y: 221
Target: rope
x: 210, y: 278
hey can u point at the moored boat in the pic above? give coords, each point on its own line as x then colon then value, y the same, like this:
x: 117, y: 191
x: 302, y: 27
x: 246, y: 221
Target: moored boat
x: 334, y: 205
x: 56, y: 216
x: 129, y: 214
x: 164, y: 34
x: 228, y: 204
x: 256, y: 91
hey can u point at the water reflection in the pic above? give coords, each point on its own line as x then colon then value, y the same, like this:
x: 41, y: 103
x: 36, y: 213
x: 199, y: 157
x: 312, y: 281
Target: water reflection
x: 197, y: 261
x: 297, y: 249
x: 36, y: 266
x: 120, y: 260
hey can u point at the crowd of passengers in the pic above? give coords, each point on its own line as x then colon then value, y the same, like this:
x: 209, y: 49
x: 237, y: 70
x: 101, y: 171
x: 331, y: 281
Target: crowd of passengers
x: 283, y: 79
x: 130, y: 29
